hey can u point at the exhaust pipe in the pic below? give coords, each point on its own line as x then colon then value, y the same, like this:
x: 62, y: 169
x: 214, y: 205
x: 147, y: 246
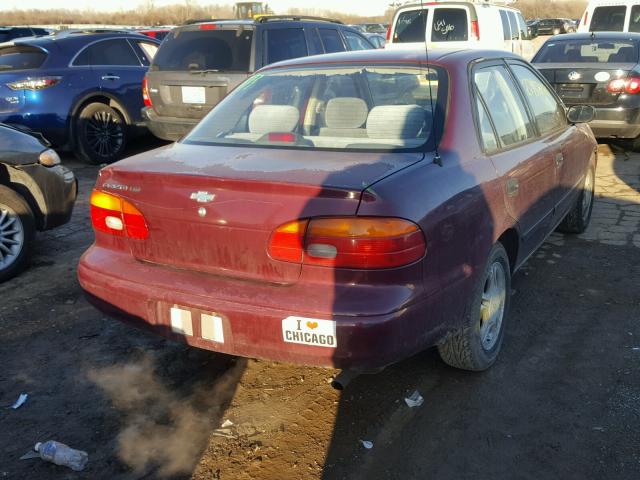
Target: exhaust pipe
x: 343, y: 379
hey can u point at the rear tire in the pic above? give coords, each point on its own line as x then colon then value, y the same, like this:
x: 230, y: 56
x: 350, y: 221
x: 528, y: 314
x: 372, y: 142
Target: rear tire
x: 577, y: 220
x: 17, y: 229
x: 475, y: 346
x: 101, y: 134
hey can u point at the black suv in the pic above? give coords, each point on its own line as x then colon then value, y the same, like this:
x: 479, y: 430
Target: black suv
x: 10, y: 33
x: 198, y: 64
x: 555, y: 26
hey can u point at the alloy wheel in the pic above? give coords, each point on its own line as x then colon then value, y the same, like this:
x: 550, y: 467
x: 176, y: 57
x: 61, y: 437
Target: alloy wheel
x: 492, y: 307
x: 105, y: 134
x: 11, y: 236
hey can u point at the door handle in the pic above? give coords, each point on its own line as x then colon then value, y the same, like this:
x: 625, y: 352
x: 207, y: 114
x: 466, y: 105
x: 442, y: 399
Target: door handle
x: 559, y: 159
x: 110, y: 77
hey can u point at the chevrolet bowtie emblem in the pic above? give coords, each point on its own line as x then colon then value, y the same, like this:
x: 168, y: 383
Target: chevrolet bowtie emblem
x: 203, y: 197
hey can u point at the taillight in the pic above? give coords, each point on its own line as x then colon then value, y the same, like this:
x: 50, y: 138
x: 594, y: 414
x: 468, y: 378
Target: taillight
x: 282, y: 137
x: 115, y: 215
x: 621, y: 85
x: 145, y: 93
x: 475, y: 30
x: 349, y: 242
x: 389, y: 33
x: 208, y: 26
x: 586, y: 17
x: 39, y: 83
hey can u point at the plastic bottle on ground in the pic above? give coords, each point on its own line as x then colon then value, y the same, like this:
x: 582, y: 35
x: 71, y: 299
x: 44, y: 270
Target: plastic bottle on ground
x: 61, y: 454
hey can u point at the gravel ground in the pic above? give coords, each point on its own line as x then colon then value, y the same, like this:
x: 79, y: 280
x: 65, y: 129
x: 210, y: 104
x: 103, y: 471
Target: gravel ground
x: 563, y: 401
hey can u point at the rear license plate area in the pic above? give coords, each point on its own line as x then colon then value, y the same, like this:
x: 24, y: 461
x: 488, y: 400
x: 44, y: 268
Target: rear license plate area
x: 194, y: 95
x: 195, y: 323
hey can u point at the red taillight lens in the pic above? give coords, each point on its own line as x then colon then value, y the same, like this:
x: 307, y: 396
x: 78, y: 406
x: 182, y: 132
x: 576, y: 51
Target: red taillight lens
x: 586, y: 17
x: 475, y: 30
x: 39, y: 83
x: 349, y: 242
x: 114, y: 215
x: 633, y: 86
x: 621, y: 85
x: 389, y: 33
x: 208, y: 26
x: 145, y: 93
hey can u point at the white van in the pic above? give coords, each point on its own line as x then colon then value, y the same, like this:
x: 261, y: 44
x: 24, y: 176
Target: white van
x: 470, y: 24
x: 611, y: 16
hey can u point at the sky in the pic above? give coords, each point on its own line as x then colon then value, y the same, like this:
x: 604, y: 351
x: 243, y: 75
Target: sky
x: 364, y: 7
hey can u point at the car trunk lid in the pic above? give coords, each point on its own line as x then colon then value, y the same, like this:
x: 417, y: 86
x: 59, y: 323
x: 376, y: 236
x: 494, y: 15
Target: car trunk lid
x: 197, y: 66
x: 213, y: 209
x: 585, y: 83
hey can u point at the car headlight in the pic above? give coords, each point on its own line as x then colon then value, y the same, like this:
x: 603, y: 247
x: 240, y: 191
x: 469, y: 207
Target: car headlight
x: 49, y: 158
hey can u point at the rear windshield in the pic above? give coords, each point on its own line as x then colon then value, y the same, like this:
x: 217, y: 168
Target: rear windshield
x: 587, y: 51
x: 348, y: 108
x: 450, y: 25
x: 21, y: 57
x: 608, y: 19
x: 411, y: 27
x: 226, y: 50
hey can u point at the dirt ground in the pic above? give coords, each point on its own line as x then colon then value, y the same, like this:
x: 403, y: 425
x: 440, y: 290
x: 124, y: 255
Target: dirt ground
x: 563, y: 401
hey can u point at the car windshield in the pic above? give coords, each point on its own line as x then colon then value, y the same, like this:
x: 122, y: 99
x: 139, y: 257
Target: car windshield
x: 204, y: 49
x: 588, y: 51
x: 348, y: 108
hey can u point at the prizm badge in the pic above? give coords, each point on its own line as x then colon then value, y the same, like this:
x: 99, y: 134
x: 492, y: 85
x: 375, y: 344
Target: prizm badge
x: 573, y: 76
x: 203, y: 197
x: 122, y: 188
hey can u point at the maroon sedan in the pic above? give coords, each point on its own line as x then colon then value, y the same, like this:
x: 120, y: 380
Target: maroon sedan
x: 347, y: 210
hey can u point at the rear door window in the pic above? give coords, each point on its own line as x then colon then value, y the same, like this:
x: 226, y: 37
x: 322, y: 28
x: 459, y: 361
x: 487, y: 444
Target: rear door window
x: 487, y: 135
x: 21, y: 57
x: 506, y: 107
x: 634, y: 23
x: 411, y: 27
x: 513, y: 23
x: 355, y: 41
x: 547, y: 110
x: 331, y: 40
x: 449, y: 25
x: 286, y: 43
x: 522, y: 25
x: 116, y: 52
x: 608, y: 19
x: 226, y: 50
x: 149, y: 51
x: 506, y: 28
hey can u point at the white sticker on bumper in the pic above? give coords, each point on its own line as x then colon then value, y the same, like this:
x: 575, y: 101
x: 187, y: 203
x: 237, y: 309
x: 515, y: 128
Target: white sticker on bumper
x: 211, y: 327
x: 310, y: 331
x: 181, y: 321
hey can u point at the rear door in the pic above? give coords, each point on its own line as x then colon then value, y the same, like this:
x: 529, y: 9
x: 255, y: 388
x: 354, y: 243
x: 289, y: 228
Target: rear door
x: 449, y: 27
x: 118, y: 70
x: 609, y: 18
x: 522, y: 159
x: 196, y: 66
x: 284, y: 43
x: 409, y: 28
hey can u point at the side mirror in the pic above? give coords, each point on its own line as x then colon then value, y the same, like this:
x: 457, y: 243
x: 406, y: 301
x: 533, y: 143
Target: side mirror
x: 581, y: 114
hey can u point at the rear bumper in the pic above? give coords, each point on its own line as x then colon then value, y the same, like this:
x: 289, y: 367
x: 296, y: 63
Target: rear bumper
x: 167, y: 128
x: 616, y: 123
x: 143, y: 294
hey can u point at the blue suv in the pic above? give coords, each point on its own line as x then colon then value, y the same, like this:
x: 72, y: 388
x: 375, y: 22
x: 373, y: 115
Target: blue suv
x: 81, y: 89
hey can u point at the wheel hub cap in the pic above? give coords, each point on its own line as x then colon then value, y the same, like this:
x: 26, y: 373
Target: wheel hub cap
x: 11, y: 237
x: 104, y: 134
x: 492, y: 307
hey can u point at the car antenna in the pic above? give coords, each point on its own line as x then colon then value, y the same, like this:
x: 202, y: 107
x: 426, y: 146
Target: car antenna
x: 436, y: 159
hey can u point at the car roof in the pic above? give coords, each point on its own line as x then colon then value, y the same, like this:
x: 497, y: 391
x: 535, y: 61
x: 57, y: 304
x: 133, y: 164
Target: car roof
x: 269, y: 20
x: 77, y: 37
x: 597, y: 36
x: 445, y: 57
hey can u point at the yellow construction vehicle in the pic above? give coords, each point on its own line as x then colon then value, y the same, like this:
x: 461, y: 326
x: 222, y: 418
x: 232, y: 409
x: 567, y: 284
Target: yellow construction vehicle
x: 252, y: 10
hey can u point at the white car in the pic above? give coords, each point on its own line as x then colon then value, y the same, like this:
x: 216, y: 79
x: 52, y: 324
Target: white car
x: 472, y: 24
x: 611, y: 16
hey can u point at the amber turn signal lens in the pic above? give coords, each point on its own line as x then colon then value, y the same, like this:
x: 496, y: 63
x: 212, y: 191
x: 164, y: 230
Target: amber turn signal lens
x: 349, y: 242
x: 115, y: 215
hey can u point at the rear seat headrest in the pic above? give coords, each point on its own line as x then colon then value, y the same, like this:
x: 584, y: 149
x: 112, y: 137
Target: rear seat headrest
x: 273, y: 118
x: 397, y: 121
x: 346, y: 112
